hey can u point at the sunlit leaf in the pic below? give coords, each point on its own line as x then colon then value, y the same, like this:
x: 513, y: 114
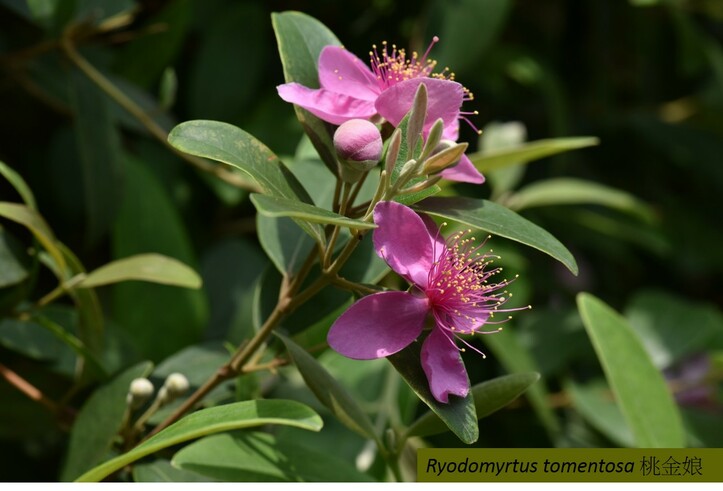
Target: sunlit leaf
x: 639, y: 388
x: 235, y: 416
x: 154, y: 268
x: 498, y: 220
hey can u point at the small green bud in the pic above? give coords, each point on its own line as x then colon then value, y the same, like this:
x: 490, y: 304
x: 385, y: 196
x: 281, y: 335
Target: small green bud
x: 447, y: 154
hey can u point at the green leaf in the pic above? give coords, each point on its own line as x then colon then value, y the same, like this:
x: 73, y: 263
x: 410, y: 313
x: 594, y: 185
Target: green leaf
x: 17, y: 182
x: 161, y: 470
x: 239, y: 415
x: 284, y: 242
x: 260, y: 457
x: 658, y: 317
x: 14, y: 262
x: 32, y: 220
x: 497, y: 136
x: 507, y: 348
x: 29, y: 338
x: 154, y: 268
x: 568, y: 191
x: 233, y: 146
x: 594, y: 401
x: 280, y: 207
x: 231, y: 269
x: 496, y: 159
x: 639, y: 388
x: 498, y: 220
x: 468, y: 28
x: 149, y: 221
x: 329, y: 392
x: 98, y: 145
x: 98, y: 422
x: 489, y: 396
x: 300, y: 39
x: 224, y: 48
x: 459, y: 414
x: 144, y: 58
x: 96, y: 11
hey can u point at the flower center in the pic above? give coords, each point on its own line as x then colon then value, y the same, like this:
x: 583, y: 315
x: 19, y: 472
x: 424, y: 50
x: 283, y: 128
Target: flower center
x: 460, y: 290
x: 392, y: 67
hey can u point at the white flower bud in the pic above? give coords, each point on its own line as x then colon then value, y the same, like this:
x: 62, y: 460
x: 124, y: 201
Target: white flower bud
x: 177, y: 384
x: 140, y: 390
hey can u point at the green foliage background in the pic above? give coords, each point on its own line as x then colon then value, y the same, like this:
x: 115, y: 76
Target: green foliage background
x: 639, y: 212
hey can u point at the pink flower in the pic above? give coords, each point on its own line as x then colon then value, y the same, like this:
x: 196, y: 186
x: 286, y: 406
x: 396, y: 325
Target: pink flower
x: 350, y: 89
x: 449, y: 287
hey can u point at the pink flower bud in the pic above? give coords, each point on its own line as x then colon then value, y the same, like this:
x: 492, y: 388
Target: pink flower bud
x: 358, y: 145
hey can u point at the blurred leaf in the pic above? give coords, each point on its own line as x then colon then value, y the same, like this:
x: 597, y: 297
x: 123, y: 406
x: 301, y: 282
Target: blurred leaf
x: 260, y: 457
x: 704, y: 428
x: 515, y: 358
x: 468, y: 28
x: 487, y: 161
x: 300, y: 39
x: 568, y: 191
x: 228, y: 417
x: 17, y: 182
x: 497, y: 136
x: 498, y: 220
x: 98, y: 422
x: 30, y: 339
x: 329, y: 392
x: 99, y: 151
x: 154, y: 268
x: 489, y: 396
x: 97, y: 11
x: 14, y: 262
x: 594, y: 401
x: 284, y: 242
x: 231, y: 269
x: 36, y: 224
x: 458, y: 415
x: 43, y: 11
x: 71, y: 341
x: 229, y: 61
x: 149, y: 222
x: 274, y: 207
x: 671, y: 327
x: 143, y: 60
x: 161, y: 470
x: 233, y: 146
x: 639, y: 387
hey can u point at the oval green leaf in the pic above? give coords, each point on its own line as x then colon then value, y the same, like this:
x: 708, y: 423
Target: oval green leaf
x: 217, y: 419
x: 489, y: 160
x: 568, y: 191
x: 489, y: 396
x: 154, y: 268
x: 233, y: 146
x: 260, y: 457
x: 639, y: 388
x: 17, y: 182
x: 498, y: 220
x: 330, y: 392
x: 274, y: 207
x: 32, y: 220
x: 300, y: 39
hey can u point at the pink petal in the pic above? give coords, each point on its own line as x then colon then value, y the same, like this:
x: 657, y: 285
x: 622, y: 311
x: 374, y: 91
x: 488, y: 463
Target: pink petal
x: 342, y: 72
x: 444, y: 98
x: 451, y: 131
x: 330, y: 106
x: 443, y: 365
x: 438, y: 242
x: 378, y: 325
x: 402, y: 240
x: 464, y: 171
